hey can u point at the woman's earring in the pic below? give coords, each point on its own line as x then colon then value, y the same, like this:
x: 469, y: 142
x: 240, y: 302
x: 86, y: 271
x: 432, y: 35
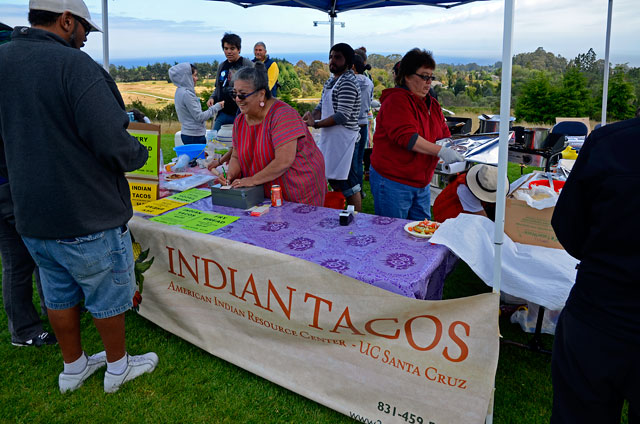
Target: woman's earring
x: 261, y: 103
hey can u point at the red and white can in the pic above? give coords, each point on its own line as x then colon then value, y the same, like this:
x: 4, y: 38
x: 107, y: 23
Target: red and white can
x: 276, y: 195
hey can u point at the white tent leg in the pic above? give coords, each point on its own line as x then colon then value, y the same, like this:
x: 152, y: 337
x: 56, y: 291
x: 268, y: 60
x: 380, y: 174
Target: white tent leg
x: 605, y: 84
x: 331, y: 24
x: 105, y: 35
x: 505, y: 115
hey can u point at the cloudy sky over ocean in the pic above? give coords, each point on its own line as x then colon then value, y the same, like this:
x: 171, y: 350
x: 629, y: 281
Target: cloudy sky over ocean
x: 163, y: 28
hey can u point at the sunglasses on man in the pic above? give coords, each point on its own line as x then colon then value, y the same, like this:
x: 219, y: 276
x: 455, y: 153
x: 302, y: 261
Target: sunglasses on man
x: 84, y: 23
x: 426, y: 78
x: 241, y: 96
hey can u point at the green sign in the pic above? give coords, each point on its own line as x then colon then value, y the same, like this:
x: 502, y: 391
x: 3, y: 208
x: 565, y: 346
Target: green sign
x: 190, y: 196
x: 207, y: 223
x: 150, y: 140
x: 178, y: 217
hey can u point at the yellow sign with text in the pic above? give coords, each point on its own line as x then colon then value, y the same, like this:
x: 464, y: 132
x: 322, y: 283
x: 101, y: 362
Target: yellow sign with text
x: 142, y: 191
x: 149, y: 136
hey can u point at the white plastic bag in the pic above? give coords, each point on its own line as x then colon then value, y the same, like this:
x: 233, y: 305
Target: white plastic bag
x: 538, y: 197
x: 181, y: 164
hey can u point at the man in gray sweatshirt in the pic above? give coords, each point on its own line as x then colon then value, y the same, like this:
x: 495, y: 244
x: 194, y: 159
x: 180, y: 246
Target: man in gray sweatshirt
x: 63, y: 134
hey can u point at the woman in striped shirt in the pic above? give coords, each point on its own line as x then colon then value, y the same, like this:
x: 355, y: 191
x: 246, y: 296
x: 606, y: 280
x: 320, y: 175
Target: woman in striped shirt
x: 272, y: 145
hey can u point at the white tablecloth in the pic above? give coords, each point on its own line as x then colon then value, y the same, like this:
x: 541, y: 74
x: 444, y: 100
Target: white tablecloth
x: 541, y: 275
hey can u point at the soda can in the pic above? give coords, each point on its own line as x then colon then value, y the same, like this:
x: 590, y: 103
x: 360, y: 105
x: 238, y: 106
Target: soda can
x: 276, y: 195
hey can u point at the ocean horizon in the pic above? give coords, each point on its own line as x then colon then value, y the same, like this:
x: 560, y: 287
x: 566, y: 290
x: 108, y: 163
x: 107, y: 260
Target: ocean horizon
x: 294, y: 58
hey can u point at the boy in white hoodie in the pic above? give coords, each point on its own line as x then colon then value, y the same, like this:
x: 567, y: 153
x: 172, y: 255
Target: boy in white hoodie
x: 190, y: 113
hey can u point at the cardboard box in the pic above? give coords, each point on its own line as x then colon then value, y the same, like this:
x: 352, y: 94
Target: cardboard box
x: 524, y: 224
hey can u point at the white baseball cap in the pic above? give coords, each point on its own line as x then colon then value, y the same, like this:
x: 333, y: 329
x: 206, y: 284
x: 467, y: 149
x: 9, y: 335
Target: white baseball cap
x: 76, y: 7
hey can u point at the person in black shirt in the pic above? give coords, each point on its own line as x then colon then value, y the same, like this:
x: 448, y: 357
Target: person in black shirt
x: 231, y: 45
x: 595, y: 363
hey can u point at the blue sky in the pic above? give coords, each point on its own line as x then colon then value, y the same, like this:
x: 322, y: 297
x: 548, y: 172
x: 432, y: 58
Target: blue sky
x: 156, y: 28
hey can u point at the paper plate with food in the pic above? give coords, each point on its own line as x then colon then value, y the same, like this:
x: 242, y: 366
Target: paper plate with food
x: 172, y: 176
x: 423, y: 229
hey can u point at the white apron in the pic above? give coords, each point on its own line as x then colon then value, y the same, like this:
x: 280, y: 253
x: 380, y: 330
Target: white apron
x: 336, y: 143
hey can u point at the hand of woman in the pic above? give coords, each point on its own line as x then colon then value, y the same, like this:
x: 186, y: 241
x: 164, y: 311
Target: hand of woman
x: 449, y: 155
x: 213, y: 165
x: 244, y: 182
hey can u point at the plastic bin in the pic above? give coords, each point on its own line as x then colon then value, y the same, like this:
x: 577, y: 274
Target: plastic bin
x: 192, y: 150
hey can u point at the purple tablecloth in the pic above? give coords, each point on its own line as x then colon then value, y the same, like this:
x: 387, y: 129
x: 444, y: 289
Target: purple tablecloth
x: 373, y: 249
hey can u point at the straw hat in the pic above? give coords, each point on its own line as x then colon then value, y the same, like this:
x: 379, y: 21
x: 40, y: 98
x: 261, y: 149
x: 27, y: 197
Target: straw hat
x: 482, y: 180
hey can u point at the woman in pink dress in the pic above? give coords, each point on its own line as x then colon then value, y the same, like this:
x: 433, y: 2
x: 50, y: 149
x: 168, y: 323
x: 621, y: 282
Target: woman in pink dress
x: 272, y: 145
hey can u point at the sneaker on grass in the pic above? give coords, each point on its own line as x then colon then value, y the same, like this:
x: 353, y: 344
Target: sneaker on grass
x: 70, y: 382
x: 41, y: 339
x: 136, y: 366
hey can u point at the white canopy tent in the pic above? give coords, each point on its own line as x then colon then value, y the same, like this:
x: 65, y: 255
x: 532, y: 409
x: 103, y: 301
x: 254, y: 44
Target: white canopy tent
x: 332, y: 7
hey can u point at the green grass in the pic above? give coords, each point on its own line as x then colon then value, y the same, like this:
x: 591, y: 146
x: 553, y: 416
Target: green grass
x: 191, y: 385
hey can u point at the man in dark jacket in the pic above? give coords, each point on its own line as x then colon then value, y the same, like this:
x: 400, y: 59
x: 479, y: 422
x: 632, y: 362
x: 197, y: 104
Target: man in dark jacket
x: 231, y: 45
x: 63, y: 132
x: 595, y: 363
x: 18, y: 268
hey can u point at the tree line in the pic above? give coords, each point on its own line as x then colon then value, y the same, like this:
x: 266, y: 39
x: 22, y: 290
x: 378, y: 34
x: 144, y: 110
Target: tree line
x: 544, y: 85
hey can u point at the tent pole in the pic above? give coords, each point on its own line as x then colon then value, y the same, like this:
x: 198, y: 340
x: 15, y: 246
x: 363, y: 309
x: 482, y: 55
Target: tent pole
x: 605, y: 84
x: 333, y: 18
x: 505, y: 115
x: 105, y: 35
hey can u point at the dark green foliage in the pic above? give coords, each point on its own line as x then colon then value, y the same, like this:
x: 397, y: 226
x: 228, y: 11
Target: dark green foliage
x: 620, y: 103
x: 536, y: 103
x: 541, y: 60
x: 544, y: 85
x: 157, y: 72
x: 288, y: 78
x: 574, y: 98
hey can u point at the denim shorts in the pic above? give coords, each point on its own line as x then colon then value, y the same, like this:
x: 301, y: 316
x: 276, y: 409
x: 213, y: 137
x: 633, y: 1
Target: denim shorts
x: 97, y: 268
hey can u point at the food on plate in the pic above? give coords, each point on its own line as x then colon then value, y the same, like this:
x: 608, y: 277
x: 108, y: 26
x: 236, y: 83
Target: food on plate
x: 177, y: 175
x: 425, y: 227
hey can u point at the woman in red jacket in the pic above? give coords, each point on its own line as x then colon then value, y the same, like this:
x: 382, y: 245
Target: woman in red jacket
x: 404, y: 150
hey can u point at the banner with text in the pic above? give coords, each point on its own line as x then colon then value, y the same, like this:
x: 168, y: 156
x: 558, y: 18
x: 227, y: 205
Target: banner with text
x: 371, y: 354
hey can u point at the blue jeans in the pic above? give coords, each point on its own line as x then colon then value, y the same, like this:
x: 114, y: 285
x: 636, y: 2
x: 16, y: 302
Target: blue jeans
x: 399, y: 200
x: 223, y: 119
x: 193, y: 139
x: 17, y: 273
x: 97, y: 267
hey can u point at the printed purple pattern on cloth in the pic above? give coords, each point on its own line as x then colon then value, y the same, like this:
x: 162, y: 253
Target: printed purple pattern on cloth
x: 400, y: 261
x: 301, y: 243
x: 373, y: 249
x: 337, y: 265
x: 330, y: 223
x: 275, y: 226
x: 383, y: 220
x: 361, y: 241
x: 303, y: 209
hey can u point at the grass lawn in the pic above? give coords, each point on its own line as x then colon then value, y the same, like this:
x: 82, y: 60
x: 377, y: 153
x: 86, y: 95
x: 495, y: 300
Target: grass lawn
x: 191, y: 385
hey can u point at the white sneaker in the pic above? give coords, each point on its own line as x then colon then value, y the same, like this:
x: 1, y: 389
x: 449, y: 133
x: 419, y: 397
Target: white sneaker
x: 70, y: 382
x: 136, y: 366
